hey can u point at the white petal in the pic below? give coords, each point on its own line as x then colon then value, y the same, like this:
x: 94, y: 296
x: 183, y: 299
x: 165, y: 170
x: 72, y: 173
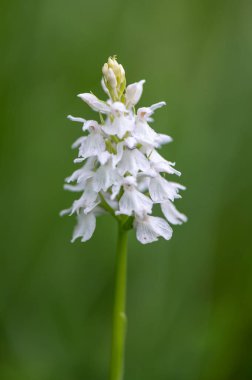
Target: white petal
x: 74, y: 176
x: 82, y: 173
x: 134, y: 93
x: 89, y: 165
x: 79, y: 141
x: 123, y: 124
x: 118, y: 109
x: 144, y: 134
x: 143, y: 183
x: 130, y: 142
x: 110, y: 129
x: 133, y: 161
x: 134, y: 201
x: 85, y: 175
x: 93, y: 145
x: 78, y: 204
x: 85, y: 227
x: 162, y: 139
x: 78, y: 160
x: 104, y: 87
x: 154, y: 156
x: 91, y: 207
x: 149, y: 228
x: 161, y: 164
x: 104, y: 157
x: 162, y: 190
x: 78, y: 119
x: 172, y: 214
x: 105, y: 177
x: 144, y: 232
x: 74, y: 188
x: 66, y: 211
x: 95, y: 103
x: 143, y: 204
x: 89, y: 195
x: 116, y: 158
x: 120, y: 126
x: 129, y: 182
x: 165, y: 167
x: 177, y: 186
x: 161, y: 227
x: 157, y: 105
x: 91, y: 126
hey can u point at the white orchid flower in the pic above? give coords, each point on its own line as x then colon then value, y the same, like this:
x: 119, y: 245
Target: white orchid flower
x: 122, y: 171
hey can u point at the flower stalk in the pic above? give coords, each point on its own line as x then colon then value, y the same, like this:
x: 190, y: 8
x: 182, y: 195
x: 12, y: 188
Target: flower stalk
x: 119, y: 314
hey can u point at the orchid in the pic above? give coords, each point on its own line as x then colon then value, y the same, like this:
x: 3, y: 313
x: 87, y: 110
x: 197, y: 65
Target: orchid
x: 122, y: 174
x: 117, y: 153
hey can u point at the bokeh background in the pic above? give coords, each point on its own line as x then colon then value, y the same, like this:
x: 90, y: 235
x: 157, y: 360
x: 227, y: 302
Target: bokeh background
x: 189, y: 300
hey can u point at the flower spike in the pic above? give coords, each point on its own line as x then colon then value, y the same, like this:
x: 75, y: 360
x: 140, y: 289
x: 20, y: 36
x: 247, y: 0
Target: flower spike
x: 122, y: 173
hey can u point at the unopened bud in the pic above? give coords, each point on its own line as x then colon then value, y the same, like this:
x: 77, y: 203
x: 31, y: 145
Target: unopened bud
x: 114, y: 78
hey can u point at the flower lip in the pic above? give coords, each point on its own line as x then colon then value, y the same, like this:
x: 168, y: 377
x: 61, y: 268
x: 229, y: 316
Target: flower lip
x: 150, y: 228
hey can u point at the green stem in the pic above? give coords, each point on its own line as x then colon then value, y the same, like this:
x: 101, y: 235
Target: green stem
x: 119, y: 316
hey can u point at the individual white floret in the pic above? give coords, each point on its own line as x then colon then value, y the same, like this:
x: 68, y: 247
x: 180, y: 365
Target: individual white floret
x: 89, y: 195
x: 122, y: 121
x: 123, y: 174
x: 132, y: 200
x: 85, y: 172
x: 143, y: 133
x: 93, y: 144
x: 132, y: 162
x: 105, y: 177
x: 161, y: 190
x: 81, y: 205
x: 160, y: 164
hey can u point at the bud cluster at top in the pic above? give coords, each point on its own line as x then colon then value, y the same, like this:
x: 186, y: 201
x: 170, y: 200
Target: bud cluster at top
x: 114, y: 78
x: 122, y: 173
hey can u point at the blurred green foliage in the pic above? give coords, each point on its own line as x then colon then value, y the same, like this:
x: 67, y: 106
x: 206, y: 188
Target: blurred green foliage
x: 189, y: 300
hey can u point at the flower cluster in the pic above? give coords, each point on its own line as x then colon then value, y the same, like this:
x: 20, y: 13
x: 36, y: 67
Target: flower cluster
x: 122, y: 172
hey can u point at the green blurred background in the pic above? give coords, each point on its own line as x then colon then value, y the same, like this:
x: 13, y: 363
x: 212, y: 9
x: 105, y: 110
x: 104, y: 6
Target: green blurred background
x: 189, y: 299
